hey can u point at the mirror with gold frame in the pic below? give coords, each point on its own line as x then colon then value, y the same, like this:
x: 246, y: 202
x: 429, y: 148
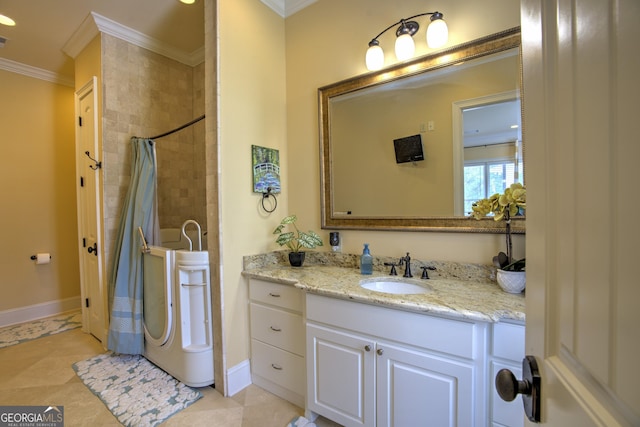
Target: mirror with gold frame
x: 365, y: 185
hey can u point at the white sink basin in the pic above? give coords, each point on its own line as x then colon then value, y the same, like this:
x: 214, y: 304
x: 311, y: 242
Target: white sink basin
x: 394, y: 287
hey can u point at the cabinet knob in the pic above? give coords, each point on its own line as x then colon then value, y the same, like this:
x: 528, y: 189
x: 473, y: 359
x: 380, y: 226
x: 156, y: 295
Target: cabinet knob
x: 508, y: 387
x: 380, y: 352
x: 367, y: 348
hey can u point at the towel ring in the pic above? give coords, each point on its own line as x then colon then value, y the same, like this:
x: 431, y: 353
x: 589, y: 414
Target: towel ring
x: 266, y: 196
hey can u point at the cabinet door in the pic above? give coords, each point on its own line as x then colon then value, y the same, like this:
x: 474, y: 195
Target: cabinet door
x: 418, y: 389
x: 340, y: 376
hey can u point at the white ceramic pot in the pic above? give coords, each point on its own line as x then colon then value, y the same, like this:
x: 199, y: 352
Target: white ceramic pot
x: 513, y: 282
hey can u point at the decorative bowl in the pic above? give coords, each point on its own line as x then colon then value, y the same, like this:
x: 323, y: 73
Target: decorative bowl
x: 513, y: 282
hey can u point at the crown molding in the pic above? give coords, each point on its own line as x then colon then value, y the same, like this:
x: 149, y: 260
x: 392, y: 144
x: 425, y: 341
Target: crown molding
x: 81, y: 37
x: 35, y: 72
x: 96, y: 23
x: 286, y: 8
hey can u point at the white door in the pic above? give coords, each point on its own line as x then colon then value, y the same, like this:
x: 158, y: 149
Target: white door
x: 340, y: 376
x: 415, y: 388
x: 89, y: 211
x: 581, y: 94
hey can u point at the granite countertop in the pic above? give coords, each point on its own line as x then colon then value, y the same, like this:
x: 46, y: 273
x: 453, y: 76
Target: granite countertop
x: 463, y: 291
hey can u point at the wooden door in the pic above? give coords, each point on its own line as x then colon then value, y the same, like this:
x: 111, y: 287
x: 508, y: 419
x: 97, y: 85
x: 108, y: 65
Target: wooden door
x: 581, y: 67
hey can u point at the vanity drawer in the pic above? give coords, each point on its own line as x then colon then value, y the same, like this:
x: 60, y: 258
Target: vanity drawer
x: 278, y: 366
x: 278, y: 328
x: 285, y: 296
x: 508, y: 341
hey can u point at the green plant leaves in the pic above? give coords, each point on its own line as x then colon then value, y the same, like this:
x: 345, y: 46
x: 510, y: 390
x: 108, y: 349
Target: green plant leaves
x: 309, y: 239
x: 297, y: 239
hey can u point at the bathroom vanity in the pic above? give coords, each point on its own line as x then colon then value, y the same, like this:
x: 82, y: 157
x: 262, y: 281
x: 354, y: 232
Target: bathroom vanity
x: 367, y: 358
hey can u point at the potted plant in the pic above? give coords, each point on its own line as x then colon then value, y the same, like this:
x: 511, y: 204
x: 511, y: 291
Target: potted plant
x: 296, y: 240
x: 510, y: 273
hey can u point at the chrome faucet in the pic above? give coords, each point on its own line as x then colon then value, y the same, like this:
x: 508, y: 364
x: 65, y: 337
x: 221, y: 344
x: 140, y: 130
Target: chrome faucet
x: 406, y: 260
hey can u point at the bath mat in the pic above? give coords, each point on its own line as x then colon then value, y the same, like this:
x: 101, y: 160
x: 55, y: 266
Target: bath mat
x: 135, y: 391
x: 16, y: 334
x: 300, y: 422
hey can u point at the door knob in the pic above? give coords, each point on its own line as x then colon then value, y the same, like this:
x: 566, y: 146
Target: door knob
x: 508, y: 387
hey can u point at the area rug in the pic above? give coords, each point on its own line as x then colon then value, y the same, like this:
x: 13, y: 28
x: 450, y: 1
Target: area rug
x: 16, y: 334
x: 135, y: 391
x: 300, y: 422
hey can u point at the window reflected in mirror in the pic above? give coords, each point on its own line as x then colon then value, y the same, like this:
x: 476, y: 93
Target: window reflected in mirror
x: 492, y: 141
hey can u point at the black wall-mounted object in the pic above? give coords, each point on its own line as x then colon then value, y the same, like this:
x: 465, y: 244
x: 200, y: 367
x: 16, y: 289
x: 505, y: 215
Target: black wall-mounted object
x: 408, y: 149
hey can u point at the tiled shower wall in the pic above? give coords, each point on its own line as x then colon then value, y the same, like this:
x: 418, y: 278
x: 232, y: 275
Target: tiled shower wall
x: 146, y: 94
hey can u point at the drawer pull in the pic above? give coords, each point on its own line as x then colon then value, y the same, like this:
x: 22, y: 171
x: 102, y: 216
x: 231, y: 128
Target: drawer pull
x: 192, y: 284
x: 275, y: 329
x: 276, y: 367
x: 271, y: 294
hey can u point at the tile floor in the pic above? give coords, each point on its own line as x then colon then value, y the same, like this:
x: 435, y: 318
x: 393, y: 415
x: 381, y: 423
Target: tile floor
x: 39, y: 372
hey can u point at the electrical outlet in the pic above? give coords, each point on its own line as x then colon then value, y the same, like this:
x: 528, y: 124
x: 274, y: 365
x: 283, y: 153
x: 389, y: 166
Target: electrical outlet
x: 431, y: 125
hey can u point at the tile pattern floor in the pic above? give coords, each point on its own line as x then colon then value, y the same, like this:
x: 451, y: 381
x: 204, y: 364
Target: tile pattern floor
x: 39, y: 372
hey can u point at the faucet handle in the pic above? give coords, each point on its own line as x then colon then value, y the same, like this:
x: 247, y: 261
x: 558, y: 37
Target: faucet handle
x: 393, y: 271
x: 425, y: 274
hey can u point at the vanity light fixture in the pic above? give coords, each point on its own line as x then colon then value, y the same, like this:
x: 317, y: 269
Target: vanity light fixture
x: 188, y: 1
x: 437, y: 36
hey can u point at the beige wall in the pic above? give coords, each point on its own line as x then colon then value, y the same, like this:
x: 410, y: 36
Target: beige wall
x: 326, y: 42
x: 252, y: 111
x: 37, y: 176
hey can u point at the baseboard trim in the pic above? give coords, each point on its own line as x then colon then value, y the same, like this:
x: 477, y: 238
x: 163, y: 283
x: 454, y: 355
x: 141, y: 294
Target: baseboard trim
x: 38, y: 311
x: 238, y: 377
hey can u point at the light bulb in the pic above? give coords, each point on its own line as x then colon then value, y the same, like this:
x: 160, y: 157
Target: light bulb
x: 405, y: 47
x: 374, y: 58
x: 437, y: 33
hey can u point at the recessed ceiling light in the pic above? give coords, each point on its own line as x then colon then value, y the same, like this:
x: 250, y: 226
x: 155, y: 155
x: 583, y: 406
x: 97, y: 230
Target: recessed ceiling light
x: 5, y: 20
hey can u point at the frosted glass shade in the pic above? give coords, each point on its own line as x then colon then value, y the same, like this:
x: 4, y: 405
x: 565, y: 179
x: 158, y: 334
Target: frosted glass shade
x: 374, y: 58
x: 405, y: 47
x: 437, y: 33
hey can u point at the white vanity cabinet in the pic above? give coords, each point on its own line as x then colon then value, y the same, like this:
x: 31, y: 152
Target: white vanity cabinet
x: 374, y: 366
x: 277, y: 339
x: 507, y: 352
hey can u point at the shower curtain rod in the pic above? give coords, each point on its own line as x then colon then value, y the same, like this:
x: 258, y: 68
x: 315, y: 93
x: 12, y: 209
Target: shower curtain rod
x: 196, y: 120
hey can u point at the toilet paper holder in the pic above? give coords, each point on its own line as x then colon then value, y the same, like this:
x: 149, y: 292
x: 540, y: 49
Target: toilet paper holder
x: 35, y: 257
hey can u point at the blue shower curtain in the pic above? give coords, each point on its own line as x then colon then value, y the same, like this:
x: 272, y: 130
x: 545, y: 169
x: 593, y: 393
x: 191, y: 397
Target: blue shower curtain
x: 126, y: 329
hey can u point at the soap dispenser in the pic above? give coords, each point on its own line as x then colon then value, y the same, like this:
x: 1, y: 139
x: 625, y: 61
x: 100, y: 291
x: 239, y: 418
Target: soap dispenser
x: 366, y: 261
